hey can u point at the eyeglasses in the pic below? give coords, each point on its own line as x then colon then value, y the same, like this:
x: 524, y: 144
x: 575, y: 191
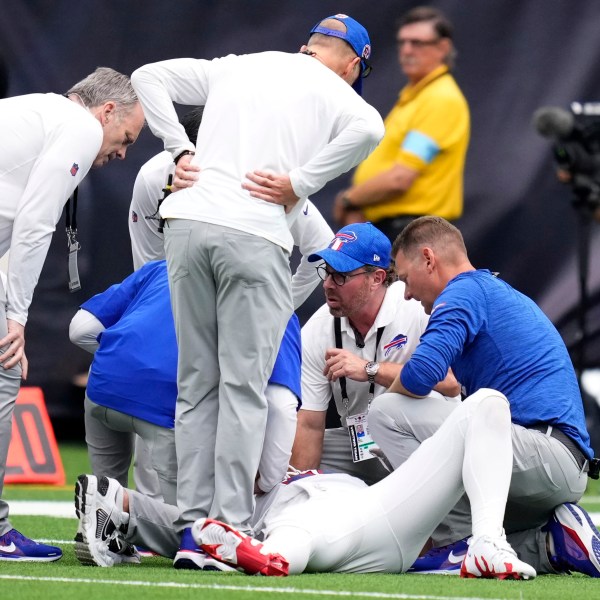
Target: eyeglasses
x: 338, y: 278
x: 416, y: 43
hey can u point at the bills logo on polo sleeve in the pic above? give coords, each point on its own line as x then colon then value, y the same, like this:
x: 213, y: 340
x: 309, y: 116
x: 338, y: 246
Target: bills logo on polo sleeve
x: 398, y: 342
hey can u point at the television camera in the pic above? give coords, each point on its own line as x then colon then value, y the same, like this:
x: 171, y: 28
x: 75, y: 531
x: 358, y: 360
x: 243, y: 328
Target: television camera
x: 576, y: 137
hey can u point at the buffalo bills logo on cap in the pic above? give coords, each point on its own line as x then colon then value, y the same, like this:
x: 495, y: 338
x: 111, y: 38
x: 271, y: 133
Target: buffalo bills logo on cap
x: 398, y: 342
x: 342, y: 238
x: 74, y: 169
x: 366, y: 51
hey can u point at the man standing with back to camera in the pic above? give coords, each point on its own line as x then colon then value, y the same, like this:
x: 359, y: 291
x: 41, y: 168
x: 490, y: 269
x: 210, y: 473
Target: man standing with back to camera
x: 418, y: 167
x: 276, y: 128
x: 48, y: 145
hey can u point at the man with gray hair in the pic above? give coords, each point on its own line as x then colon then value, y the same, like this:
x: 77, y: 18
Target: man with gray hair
x: 49, y: 143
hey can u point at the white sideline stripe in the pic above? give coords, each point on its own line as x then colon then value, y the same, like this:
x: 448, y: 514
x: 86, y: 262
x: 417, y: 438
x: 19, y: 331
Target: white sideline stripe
x: 243, y: 588
x: 43, y: 508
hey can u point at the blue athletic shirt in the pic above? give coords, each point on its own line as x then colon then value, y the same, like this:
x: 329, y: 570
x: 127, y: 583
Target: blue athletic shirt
x: 134, y: 369
x: 288, y: 363
x: 495, y: 337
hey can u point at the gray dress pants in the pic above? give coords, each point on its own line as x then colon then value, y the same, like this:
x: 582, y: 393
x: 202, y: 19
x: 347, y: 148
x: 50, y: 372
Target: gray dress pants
x: 231, y: 299
x: 10, y: 382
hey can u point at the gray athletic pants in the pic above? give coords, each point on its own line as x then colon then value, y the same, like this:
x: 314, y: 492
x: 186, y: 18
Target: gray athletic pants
x: 109, y: 435
x: 144, y: 476
x: 10, y: 382
x: 231, y: 299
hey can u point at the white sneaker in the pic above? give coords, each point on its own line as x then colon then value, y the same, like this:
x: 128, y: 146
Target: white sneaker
x: 98, y: 505
x: 494, y: 558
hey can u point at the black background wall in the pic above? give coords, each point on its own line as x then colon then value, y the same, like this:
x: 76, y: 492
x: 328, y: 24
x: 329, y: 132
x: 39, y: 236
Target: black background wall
x: 513, y: 58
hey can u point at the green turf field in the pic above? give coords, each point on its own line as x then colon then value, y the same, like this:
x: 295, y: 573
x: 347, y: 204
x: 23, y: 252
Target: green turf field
x: 155, y: 578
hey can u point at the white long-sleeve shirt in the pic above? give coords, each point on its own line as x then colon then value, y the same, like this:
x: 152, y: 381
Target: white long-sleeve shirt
x: 47, y: 145
x: 275, y: 111
x: 309, y: 229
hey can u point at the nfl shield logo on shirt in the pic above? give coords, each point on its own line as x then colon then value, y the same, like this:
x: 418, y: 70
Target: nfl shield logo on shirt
x: 134, y: 216
x: 74, y: 169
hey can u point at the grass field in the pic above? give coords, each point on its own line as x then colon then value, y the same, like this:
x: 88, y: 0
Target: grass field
x: 155, y: 578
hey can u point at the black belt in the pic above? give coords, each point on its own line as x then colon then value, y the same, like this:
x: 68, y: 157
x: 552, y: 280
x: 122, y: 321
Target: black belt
x: 566, y: 441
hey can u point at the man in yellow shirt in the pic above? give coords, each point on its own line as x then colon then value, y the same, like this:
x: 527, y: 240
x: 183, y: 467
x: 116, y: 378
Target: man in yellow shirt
x: 417, y: 169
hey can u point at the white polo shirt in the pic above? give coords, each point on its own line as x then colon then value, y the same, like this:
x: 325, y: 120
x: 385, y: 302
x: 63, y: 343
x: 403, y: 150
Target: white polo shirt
x: 404, y: 321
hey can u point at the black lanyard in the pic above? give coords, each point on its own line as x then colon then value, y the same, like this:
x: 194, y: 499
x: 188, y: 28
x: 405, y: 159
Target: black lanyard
x: 71, y: 221
x: 73, y: 244
x: 337, y: 328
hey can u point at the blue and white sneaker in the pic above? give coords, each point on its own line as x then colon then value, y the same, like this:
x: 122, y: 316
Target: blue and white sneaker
x: 190, y: 556
x: 575, y: 539
x: 444, y: 560
x: 15, y: 546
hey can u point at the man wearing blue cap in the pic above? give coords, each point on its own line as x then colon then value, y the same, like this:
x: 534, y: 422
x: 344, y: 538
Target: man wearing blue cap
x: 352, y: 349
x: 276, y: 128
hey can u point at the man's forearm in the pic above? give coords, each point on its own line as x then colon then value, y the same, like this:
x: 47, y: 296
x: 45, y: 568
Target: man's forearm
x: 304, y: 459
x: 383, y: 187
x: 387, y: 374
x: 308, y: 443
x: 398, y: 388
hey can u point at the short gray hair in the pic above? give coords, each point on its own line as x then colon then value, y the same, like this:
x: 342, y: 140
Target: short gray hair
x: 105, y: 85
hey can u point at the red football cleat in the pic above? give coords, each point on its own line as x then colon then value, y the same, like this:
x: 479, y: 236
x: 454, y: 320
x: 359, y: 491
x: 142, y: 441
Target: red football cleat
x: 224, y: 543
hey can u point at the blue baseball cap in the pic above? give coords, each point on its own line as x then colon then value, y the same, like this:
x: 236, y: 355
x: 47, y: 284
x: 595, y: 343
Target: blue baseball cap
x: 354, y: 246
x: 358, y: 38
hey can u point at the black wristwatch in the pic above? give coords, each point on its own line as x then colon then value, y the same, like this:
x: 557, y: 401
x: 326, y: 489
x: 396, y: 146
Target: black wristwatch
x: 372, y: 368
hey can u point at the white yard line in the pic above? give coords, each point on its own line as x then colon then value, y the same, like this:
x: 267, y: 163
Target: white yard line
x: 241, y: 588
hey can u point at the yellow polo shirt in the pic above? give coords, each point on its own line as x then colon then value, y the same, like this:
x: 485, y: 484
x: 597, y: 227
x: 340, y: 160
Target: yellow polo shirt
x: 427, y: 130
